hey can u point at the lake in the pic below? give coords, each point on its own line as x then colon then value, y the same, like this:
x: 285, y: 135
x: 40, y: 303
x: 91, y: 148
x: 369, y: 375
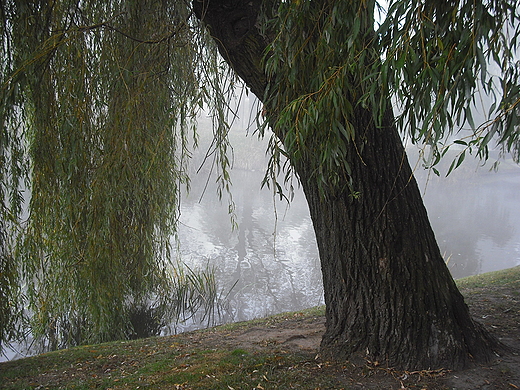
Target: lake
x: 272, y: 259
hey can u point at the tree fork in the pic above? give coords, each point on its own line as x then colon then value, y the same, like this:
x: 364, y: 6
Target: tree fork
x: 389, y: 295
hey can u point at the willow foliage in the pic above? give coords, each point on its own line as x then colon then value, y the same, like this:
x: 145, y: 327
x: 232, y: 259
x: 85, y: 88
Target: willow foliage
x: 13, y: 169
x: 317, y: 68
x: 431, y: 62
x: 445, y: 60
x: 103, y: 95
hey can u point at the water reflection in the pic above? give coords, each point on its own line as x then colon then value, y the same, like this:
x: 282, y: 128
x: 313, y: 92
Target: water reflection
x: 270, y: 260
x: 475, y: 215
x: 273, y: 261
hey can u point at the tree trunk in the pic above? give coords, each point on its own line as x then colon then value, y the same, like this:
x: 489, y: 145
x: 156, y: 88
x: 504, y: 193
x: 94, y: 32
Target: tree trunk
x: 389, y: 295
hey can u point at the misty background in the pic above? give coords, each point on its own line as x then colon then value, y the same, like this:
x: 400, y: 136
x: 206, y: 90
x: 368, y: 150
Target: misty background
x: 270, y: 263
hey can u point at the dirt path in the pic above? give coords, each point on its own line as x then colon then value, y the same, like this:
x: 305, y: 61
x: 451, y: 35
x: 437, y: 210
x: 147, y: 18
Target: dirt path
x: 290, y: 334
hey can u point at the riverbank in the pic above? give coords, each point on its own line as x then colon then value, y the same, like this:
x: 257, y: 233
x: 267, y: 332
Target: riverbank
x: 278, y: 352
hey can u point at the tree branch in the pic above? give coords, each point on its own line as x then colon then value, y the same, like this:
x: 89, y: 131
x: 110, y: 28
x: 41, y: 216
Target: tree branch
x: 233, y: 25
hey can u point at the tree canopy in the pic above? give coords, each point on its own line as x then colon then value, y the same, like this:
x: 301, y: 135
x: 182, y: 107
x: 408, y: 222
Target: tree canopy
x: 434, y: 63
x: 98, y: 112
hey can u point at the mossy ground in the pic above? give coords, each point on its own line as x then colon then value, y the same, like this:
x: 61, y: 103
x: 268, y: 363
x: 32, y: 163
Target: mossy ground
x: 278, y: 352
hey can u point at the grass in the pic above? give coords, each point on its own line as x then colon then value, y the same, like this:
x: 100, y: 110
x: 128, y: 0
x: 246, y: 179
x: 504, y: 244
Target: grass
x: 273, y: 319
x: 208, y: 369
x: 167, y: 363
x: 509, y: 277
x: 185, y: 362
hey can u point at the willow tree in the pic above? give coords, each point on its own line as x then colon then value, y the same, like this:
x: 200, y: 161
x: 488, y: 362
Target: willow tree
x: 101, y: 94
x: 328, y: 77
x: 98, y: 102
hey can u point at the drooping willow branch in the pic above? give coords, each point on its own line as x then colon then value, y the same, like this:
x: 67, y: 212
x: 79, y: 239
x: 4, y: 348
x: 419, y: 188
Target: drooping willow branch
x: 106, y: 25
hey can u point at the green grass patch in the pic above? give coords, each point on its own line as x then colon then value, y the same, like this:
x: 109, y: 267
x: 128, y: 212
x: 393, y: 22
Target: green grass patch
x: 509, y: 277
x: 186, y: 368
x: 305, y: 314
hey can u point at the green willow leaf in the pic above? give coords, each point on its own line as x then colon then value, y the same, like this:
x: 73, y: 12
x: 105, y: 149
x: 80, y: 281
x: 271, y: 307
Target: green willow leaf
x: 107, y: 114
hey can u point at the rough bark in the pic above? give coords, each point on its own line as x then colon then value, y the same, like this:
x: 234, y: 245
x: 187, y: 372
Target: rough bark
x: 389, y: 295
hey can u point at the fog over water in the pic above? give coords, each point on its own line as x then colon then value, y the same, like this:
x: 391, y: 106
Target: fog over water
x: 272, y: 256
x: 475, y: 214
